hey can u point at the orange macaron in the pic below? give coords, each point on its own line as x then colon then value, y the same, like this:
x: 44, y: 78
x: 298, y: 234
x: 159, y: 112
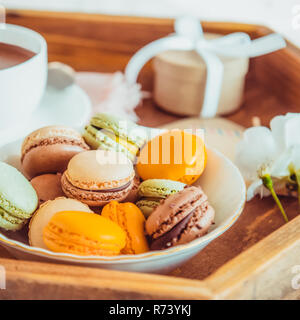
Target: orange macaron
x: 83, y: 233
x: 175, y: 155
x: 130, y: 218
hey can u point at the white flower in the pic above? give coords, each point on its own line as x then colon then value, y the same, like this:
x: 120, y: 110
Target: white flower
x: 255, y: 157
x: 270, y: 152
x: 295, y: 165
x: 286, y: 132
x: 295, y: 158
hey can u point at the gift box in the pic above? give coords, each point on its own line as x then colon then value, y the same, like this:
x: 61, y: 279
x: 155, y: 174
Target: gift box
x: 180, y: 80
x: 200, y: 74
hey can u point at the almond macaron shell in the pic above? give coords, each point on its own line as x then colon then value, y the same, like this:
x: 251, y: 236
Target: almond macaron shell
x: 99, y: 170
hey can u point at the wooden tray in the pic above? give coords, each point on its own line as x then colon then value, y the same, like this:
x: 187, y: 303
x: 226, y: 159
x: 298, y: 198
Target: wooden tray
x: 254, y: 259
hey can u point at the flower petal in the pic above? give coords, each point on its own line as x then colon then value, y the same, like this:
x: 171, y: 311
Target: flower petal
x: 295, y: 157
x: 256, y: 149
x: 280, y: 167
x: 277, y: 128
x: 286, y: 130
x: 292, y: 132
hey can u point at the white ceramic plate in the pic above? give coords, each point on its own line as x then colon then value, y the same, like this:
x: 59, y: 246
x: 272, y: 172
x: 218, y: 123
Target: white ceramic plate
x: 221, y: 181
x: 70, y: 106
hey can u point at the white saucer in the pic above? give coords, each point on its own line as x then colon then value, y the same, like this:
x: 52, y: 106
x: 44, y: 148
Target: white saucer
x: 70, y: 106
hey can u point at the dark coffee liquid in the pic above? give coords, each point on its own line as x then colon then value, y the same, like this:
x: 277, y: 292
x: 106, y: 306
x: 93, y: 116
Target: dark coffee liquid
x: 12, y: 55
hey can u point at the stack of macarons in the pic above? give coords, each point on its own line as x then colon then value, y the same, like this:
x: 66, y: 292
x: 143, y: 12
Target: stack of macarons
x: 107, y: 192
x: 152, y: 191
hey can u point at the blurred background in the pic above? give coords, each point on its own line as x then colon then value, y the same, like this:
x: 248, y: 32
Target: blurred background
x: 281, y: 15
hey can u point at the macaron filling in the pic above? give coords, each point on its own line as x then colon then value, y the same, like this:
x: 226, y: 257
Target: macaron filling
x: 52, y: 135
x: 114, y: 124
x: 180, y: 218
x: 96, y: 138
x: 102, y: 195
x: 171, y: 237
x: 130, y: 146
x: 97, y: 185
x: 125, y: 186
x: 179, y: 214
x: 55, y: 140
x: 102, y: 138
x: 193, y: 226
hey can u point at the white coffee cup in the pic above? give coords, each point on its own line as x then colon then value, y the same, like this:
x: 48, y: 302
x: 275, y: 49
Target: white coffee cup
x: 22, y: 86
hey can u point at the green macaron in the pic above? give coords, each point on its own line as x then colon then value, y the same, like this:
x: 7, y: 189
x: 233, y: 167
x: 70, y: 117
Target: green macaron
x: 110, y: 132
x: 18, y: 199
x: 152, y: 191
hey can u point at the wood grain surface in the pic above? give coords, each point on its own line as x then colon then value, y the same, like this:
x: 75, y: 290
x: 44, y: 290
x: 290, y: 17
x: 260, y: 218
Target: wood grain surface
x: 265, y: 271
x: 104, y: 43
x: 28, y: 280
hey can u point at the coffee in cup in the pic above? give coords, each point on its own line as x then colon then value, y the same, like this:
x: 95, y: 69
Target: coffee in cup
x: 11, y: 55
x: 23, y: 75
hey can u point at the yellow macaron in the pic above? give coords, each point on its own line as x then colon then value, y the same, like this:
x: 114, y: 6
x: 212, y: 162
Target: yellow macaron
x: 174, y: 155
x: 130, y: 218
x: 83, y: 233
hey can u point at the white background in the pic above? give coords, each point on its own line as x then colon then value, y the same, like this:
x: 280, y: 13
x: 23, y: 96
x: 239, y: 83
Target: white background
x: 281, y: 15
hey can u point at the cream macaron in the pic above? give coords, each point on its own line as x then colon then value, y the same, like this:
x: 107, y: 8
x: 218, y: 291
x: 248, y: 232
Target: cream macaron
x: 98, y: 176
x: 44, y: 214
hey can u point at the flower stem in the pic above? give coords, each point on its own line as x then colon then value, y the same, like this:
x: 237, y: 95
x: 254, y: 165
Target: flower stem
x: 268, y: 183
x: 297, y: 174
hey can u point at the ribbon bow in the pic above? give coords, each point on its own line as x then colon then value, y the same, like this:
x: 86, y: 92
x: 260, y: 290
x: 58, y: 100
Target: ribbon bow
x: 189, y: 36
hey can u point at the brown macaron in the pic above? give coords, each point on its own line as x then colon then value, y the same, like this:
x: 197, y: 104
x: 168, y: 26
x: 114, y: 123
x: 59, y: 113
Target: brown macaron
x: 133, y: 194
x: 49, y: 149
x: 180, y: 218
x: 96, y: 177
x: 47, y: 187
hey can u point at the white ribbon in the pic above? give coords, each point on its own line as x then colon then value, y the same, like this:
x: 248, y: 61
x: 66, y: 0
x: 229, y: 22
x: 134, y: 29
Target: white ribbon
x: 189, y: 36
